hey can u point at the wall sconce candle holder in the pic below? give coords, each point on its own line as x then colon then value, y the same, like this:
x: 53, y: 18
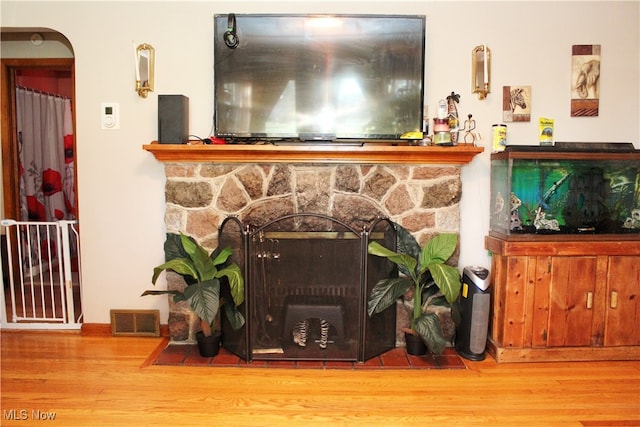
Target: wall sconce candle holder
x: 145, y: 59
x: 481, y: 71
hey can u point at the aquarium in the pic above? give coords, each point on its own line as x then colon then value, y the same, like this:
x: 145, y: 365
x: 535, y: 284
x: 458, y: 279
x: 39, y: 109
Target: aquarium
x: 565, y: 190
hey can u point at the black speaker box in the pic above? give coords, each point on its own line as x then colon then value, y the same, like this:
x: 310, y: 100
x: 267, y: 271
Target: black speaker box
x: 173, y: 119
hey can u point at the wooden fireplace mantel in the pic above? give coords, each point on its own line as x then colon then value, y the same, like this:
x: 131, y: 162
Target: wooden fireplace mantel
x: 373, y: 153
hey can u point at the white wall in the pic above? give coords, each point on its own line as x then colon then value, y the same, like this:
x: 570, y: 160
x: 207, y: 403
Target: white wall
x: 121, y: 190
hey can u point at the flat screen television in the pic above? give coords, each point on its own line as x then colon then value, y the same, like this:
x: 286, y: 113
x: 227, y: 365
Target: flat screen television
x: 318, y: 77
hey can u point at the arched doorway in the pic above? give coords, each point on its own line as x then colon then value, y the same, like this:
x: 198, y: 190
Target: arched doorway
x: 46, y: 75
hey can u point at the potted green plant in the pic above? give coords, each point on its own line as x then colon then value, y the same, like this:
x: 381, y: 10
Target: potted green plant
x: 425, y: 279
x: 202, y: 273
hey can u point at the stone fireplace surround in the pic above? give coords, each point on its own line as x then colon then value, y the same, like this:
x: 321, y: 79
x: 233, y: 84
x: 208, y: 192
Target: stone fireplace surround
x: 200, y: 193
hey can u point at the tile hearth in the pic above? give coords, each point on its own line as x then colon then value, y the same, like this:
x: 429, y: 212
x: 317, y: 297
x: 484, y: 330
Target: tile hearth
x: 397, y: 358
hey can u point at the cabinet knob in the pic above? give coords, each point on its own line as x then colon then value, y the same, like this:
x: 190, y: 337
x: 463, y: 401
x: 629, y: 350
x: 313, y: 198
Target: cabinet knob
x: 613, y: 302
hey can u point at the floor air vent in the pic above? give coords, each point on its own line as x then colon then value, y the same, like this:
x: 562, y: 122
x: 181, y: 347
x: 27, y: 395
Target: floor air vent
x: 135, y: 322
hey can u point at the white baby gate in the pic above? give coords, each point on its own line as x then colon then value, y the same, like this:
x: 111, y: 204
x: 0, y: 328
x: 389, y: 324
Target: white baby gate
x: 42, y: 281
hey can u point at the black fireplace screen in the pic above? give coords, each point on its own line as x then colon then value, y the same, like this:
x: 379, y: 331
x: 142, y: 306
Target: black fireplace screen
x: 307, y: 278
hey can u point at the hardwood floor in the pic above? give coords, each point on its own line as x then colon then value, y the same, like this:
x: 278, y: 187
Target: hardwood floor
x: 105, y: 381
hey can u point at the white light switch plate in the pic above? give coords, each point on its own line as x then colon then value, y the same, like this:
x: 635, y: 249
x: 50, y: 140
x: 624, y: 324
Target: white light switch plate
x: 110, y: 115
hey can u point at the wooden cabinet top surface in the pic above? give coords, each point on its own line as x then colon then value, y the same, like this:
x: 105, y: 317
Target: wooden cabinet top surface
x: 548, y: 153
x: 562, y: 244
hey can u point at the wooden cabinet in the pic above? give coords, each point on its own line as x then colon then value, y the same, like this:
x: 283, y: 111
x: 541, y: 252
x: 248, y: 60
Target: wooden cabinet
x: 622, y: 323
x: 565, y: 298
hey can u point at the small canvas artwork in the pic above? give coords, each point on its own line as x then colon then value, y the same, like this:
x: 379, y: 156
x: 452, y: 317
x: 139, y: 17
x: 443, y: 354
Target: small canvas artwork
x: 585, y: 80
x: 516, y: 103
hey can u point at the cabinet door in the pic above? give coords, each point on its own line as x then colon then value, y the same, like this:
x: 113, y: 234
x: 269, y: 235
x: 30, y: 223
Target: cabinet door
x: 622, y: 325
x: 573, y: 281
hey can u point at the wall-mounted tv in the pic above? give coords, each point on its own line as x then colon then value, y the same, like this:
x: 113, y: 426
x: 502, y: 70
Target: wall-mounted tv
x: 318, y: 77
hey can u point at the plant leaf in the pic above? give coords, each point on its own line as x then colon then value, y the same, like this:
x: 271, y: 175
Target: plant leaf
x: 437, y: 300
x: 151, y: 292
x: 407, y: 244
x: 438, y: 249
x: 385, y: 293
x: 173, y: 247
x: 182, y: 266
x: 236, y: 282
x: 204, y: 299
x: 204, y: 265
x: 402, y: 260
x: 179, y: 297
x: 220, y: 256
x: 447, y: 279
x: 428, y: 327
x: 234, y: 316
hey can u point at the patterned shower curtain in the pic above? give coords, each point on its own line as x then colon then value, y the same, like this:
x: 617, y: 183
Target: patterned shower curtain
x: 45, y: 138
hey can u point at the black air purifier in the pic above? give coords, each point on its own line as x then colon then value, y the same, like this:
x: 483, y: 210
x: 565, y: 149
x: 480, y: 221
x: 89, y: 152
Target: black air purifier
x: 474, y: 304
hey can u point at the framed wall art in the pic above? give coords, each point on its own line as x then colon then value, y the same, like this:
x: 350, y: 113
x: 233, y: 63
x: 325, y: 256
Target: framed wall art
x: 585, y: 80
x: 516, y: 103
